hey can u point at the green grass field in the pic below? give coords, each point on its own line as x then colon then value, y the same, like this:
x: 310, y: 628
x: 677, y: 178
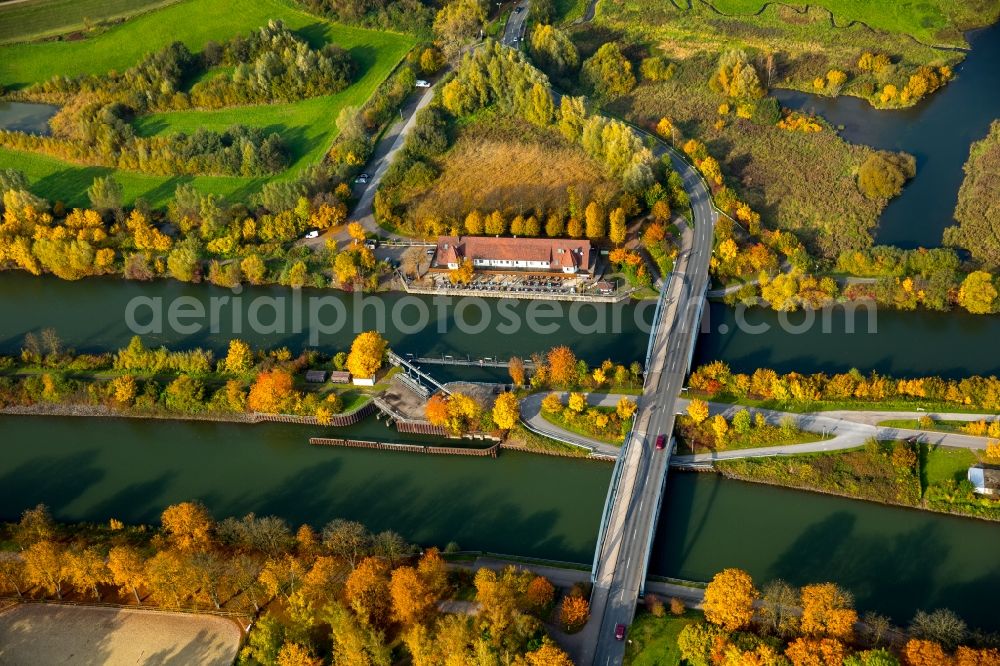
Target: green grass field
x: 653, y: 640
x: 308, y: 127
x: 930, y: 21
x: 939, y: 463
x: 38, y: 18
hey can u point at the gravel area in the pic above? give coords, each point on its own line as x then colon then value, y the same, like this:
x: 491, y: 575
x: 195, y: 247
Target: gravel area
x: 36, y: 635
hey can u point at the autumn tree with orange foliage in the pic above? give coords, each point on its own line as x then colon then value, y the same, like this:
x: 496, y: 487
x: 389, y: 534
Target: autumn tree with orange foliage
x: 827, y: 610
x: 516, y: 369
x: 574, y: 612
x: 270, y: 391
x: 729, y: 599
x: 540, y: 592
x: 562, y: 365
x: 367, y: 590
x: 413, y: 600
x: 816, y: 652
x: 925, y: 653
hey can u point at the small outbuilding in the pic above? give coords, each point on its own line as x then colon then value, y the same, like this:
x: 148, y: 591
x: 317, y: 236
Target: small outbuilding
x: 315, y: 376
x: 340, y: 377
x: 985, y: 479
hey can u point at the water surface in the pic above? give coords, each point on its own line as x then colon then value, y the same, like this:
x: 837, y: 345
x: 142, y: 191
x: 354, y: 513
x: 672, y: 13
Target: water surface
x: 26, y: 117
x: 893, y: 560
x: 938, y: 132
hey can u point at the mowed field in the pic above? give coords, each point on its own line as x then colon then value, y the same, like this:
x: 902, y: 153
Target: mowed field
x: 930, y: 21
x: 36, y: 18
x: 308, y: 127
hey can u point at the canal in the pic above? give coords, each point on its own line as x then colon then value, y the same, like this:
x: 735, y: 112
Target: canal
x: 894, y: 560
x: 937, y: 131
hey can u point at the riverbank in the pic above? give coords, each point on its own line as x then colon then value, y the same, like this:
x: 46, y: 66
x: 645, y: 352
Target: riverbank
x: 895, y: 473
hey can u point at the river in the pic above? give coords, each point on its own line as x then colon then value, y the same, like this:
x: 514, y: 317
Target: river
x: 894, y: 560
x: 937, y: 131
x: 903, y: 344
x: 90, y: 316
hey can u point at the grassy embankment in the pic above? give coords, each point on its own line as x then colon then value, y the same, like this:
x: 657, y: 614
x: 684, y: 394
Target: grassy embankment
x: 653, y: 640
x: 888, y: 472
x: 805, y: 406
x: 978, y: 204
x: 914, y: 424
x: 34, y: 19
x: 505, y: 164
x: 308, y: 127
x: 763, y: 162
x: 583, y: 427
x: 702, y: 440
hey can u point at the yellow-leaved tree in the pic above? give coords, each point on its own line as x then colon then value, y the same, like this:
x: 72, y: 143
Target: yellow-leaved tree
x: 505, y: 411
x: 729, y: 599
x: 367, y: 350
x: 697, y: 410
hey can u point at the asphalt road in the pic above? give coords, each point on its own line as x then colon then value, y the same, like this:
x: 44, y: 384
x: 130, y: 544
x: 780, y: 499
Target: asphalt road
x: 624, y: 549
x: 513, y: 32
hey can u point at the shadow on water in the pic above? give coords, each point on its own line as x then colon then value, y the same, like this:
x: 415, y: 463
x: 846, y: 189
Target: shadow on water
x: 56, y: 480
x: 894, y: 560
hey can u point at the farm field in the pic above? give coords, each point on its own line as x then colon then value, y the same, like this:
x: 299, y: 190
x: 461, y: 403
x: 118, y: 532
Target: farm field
x: 38, y: 18
x: 308, y: 127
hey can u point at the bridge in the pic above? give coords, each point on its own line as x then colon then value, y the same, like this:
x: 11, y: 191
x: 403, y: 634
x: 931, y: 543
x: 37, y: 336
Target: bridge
x: 639, y: 478
x: 416, y: 377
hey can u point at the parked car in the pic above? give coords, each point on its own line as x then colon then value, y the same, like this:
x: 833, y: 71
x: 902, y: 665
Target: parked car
x: 518, y: 9
x: 362, y: 179
x: 423, y: 84
x: 312, y: 234
x: 661, y: 442
x: 619, y: 632
x: 371, y: 243
x: 430, y: 251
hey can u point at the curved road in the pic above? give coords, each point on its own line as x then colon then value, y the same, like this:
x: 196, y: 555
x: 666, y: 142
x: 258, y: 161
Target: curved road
x: 846, y: 428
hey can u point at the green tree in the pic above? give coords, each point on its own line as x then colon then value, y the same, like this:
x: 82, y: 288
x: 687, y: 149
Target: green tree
x: 458, y: 22
x: 553, y: 50
x: 105, y: 193
x: 883, y: 174
x: 608, y: 72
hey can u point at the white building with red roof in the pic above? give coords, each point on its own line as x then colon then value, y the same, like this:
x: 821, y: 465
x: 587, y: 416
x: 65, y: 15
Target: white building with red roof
x: 551, y: 255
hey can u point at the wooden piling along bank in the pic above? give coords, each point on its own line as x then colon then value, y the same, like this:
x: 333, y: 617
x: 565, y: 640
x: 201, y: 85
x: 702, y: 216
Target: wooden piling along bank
x: 406, y: 448
x: 338, y: 420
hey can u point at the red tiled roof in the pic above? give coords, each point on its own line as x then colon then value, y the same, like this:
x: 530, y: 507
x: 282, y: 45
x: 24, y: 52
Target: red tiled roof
x: 558, y: 252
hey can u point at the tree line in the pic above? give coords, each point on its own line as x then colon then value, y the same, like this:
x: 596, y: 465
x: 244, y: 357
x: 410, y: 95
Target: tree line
x: 269, y: 65
x: 342, y: 593
x: 817, y: 625
x: 139, y: 380
x: 716, y: 379
x: 198, y: 237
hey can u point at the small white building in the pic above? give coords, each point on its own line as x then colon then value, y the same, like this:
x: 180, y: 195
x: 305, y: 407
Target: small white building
x: 985, y: 479
x: 550, y: 255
